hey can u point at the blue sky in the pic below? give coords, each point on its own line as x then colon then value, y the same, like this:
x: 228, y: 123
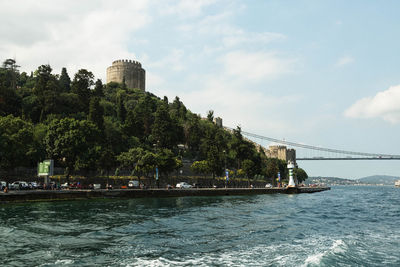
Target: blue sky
x: 323, y: 73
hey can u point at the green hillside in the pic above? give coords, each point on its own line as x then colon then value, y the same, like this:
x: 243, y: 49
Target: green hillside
x: 89, y: 128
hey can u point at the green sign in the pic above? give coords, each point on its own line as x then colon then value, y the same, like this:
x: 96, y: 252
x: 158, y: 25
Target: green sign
x: 45, y: 168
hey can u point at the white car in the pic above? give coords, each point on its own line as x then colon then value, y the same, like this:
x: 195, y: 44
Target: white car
x: 183, y: 185
x: 133, y: 184
x: 19, y: 185
x: 3, y: 184
x: 268, y: 186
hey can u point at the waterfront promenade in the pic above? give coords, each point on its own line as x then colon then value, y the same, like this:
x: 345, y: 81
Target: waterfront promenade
x: 47, y: 195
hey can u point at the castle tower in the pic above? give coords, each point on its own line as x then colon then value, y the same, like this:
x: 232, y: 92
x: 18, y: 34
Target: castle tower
x: 135, y: 76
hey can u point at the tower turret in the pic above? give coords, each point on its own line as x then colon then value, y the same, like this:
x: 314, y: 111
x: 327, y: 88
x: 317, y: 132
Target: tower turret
x: 130, y: 70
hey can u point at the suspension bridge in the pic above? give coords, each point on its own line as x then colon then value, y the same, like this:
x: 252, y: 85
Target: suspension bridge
x: 310, y: 152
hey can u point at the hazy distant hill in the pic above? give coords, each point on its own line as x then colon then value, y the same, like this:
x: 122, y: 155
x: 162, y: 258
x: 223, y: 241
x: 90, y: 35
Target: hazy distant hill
x: 379, y: 179
x: 372, y: 180
x: 330, y: 181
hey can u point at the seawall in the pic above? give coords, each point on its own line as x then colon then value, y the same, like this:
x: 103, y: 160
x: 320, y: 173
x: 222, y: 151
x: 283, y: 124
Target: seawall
x: 49, y: 195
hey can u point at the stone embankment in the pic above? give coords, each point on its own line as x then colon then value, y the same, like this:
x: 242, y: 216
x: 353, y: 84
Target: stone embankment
x: 48, y: 195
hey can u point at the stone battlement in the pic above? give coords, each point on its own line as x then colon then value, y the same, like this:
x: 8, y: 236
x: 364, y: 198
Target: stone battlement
x: 127, y: 62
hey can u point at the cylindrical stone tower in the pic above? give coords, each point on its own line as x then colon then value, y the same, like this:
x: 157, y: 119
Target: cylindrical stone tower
x: 130, y: 70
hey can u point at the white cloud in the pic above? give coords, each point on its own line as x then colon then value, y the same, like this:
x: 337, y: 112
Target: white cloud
x: 153, y: 80
x: 237, y: 105
x: 344, y: 61
x: 256, y: 66
x: 384, y: 105
x: 70, y: 34
x: 172, y: 61
x: 186, y: 8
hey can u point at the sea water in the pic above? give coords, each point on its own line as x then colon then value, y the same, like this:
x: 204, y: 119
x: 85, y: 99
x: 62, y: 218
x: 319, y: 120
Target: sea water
x: 346, y: 226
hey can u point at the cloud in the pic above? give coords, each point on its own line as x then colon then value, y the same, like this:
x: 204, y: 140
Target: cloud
x: 256, y: 66
x: 172, y: 61
x: 344, y: 61
x: 70, y: 33
x: 219, y: 26
x: 237, y: 105
x: 384, y: 105
x: 186, y: 8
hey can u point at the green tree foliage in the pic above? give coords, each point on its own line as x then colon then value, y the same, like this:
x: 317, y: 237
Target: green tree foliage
x: 178, y: 110
x: 192, y: 132
x: 16, y: 143
x: 121, y: 110
x: 96, y: 113
x: 65, y: 81
x: 73, y: 143
x: 10, y: 101
x: 200, y: 167
x: 98, y: 89
x: 113, y: 126
x: 210, y: 115
x: 81, y: 84
x: 166, y: 161
x: 300, y: 174
x: 166, y: 132
x: 46, y: 90
x: 249, y: 169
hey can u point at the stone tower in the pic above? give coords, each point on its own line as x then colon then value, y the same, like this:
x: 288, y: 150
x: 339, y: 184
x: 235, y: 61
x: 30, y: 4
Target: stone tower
x: 135, y: 76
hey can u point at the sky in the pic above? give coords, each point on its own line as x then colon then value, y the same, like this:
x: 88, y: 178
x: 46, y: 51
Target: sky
x: 322, y: 73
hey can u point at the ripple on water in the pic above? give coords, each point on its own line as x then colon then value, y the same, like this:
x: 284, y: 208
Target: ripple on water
x: 341, y: 227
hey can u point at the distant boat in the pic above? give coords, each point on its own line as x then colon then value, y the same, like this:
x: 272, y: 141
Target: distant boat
x: 397, y: 183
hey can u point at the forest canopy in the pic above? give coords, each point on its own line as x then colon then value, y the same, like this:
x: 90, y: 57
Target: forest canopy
x: 90, y: 127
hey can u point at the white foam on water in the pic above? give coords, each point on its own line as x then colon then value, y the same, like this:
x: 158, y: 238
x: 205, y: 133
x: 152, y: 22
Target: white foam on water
x: 64, y: 262
x: 338, y: 246
x: 306, y: 252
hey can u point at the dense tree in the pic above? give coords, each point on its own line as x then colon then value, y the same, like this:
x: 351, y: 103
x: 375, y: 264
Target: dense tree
x: 300, y: 174
x: 178, y: 110
x: 81, y: 84
x: 96, y: 113
x: 16, y: 143
x: 72, y: 143
x: 249, y: 169
x: 10, y: 101
x: 121, y: 110
x: 65, y: 81
x: 210, y: 115
x: 200, y: 167
x: 98, y: 89
x: 166, y: 132
x: 111, y: 126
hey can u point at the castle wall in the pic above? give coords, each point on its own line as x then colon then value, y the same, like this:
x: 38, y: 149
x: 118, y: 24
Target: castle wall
x: 132, y: 71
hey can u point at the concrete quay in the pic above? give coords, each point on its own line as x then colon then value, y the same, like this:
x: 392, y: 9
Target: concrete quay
x: 50, y: 195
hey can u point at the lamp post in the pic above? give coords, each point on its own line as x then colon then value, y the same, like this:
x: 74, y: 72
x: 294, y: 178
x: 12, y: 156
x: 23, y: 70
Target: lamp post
x: 225, y: 170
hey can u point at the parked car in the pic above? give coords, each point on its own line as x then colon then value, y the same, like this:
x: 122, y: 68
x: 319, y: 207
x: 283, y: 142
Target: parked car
x: 133, y: 184
x: 3, y: 184
x: 96, y: 186
x: 33, y: 185
x: 19, y: 185
x: 268, y: 186
x: 183, y: 185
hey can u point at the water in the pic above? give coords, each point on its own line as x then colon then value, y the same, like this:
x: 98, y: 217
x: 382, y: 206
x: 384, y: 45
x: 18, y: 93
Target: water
x: 347, y: 226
